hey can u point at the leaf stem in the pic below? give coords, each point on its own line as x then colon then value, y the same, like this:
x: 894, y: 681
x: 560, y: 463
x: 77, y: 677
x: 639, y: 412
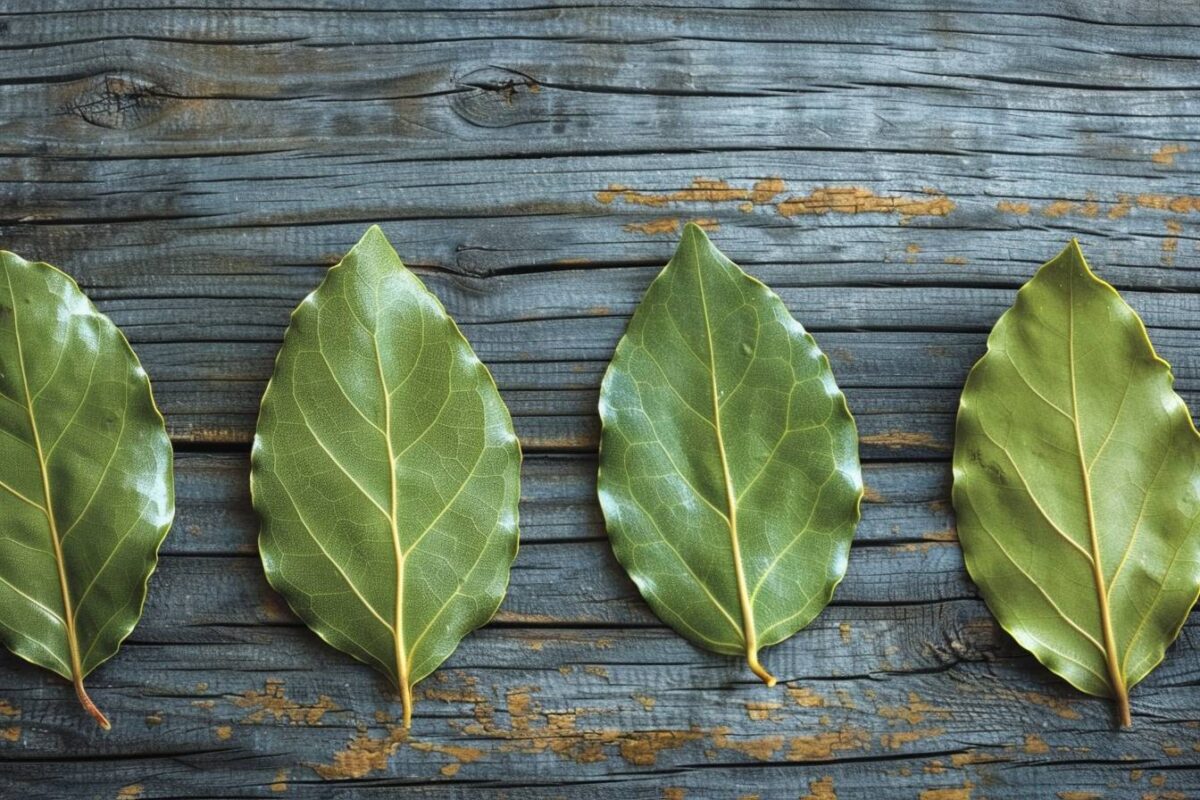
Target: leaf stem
x: 89, y: 706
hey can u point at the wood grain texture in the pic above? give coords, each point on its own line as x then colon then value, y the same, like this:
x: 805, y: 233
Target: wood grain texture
x: 895, y: 171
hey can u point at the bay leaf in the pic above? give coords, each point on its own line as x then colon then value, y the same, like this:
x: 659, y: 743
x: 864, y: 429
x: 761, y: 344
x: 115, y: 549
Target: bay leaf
x: 729, y: 473
x: 86, y: 484
x: 385, y: 471
x: 1075, y: 485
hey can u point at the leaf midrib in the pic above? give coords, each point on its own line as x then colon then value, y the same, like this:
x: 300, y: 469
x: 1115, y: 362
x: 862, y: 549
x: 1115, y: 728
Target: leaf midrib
x: 1115, y: 676
x: 52, y: 525
x: 749, y: 633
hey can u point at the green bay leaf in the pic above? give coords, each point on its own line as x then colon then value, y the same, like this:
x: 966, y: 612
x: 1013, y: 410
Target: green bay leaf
x: 86, y: 484
x: 385, y: 471
x: 1075, y: 483
x: 729, y: 473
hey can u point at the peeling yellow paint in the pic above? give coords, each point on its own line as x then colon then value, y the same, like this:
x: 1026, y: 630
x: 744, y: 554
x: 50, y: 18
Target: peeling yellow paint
x: 961, y: 793
x: 645, y: 701
x: 898, y: 739
x: 461, y: 755
x: 11, y: 734
x: 1010, y: 207
x: 223, y: 732
x: 957, y: 261
x: 280, y: 784
x: 1056, y: 704
x: 916, y: 711
x: 1079, y: 796
x: 761, y: 748
x: 805, y: 697
x: 596, y: 670
x: 899, y: 439
x: 7, y: 709
x: 363, y: 755
x: 272, y: 702
x: 1165, y: 155
x: 131, y: 791
x: 673, y: 793
x: 824, y: 745
x: 763, y: 711
x: 845, y: 631
x: 1035, y: 745
x: 821, y: 789
x: 861, y: 200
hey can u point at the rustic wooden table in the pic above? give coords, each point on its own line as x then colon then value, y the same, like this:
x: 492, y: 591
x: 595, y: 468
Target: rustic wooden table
x: 895, y: 170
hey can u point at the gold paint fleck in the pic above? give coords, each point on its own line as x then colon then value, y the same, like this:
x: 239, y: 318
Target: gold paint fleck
x: 280, y: 783
x: 846, y: 632
x: 663, y: 225
x: 861, y: 200
x: 957, y: 261
x: 760, y: 748
x: 646, y: 702
x: 130, y: 792
x: 272, y: 702
x: 596, y: 671
x: 962, y: 793
x: 898, y: 439
x: 1035, y: 745
x: 673, y: 793
x: 461, y: 755
x: 898, y: 739
x: 223, y: 732
x: 154, y: 720
x: 759, y: 711
x: 824, y: 745
x: 1010, y: 207
x: 805, y: 697
x: 1171, y: 749
x: 1165, y: 155
x: 1059, y: 208
x: 1078, y: 796
x: 821, y: 789
x: 1056, y: 704
x: 363, y: 755
x: 11, y: 734
x: 7, y: 709
x: 913, y: 713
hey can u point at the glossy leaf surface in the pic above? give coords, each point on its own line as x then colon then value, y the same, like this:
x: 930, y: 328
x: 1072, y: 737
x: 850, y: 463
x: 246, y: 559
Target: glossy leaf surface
x: 86, y: 487
x: 729, y: 472
x: 1076, y: 483
x: 385, y: 471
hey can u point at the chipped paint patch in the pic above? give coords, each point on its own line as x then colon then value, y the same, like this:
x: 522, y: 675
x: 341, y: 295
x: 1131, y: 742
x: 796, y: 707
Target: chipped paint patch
x: 1035, y: 745
x: 363, y: 754
x: 761, y: 748
x: 861, y: 200
x: 1165, y: 155
x: 280, y: 784
x: 11, y: 734
x: 130, y: 792
x: 460, y: 755
x: 821, y: 789
x: 272, y: 702
x: 663, y: 225
x: 7, y: 709
x: 759, y: 711
x: 960, y: 793
x: 1011, y: 207
x: 1079, y: 796
x: 898, y: 439
x: 646, y: 702
x: 673, y: 793
x: 1058, y: 705
x: 845, y: 631
x: 223, y: 732
x: 824, y: 745
x: 915, y: 712
x: 805, y: 697
x: 957, y: 261
x: 898, y: 739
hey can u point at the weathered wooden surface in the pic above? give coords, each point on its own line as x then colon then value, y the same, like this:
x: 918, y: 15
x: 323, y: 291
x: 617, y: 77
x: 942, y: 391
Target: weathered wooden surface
x: 894, y: 170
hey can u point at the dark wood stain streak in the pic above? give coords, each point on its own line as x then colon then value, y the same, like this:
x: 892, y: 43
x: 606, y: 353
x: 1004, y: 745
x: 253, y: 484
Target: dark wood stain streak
x: 895, y: 171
